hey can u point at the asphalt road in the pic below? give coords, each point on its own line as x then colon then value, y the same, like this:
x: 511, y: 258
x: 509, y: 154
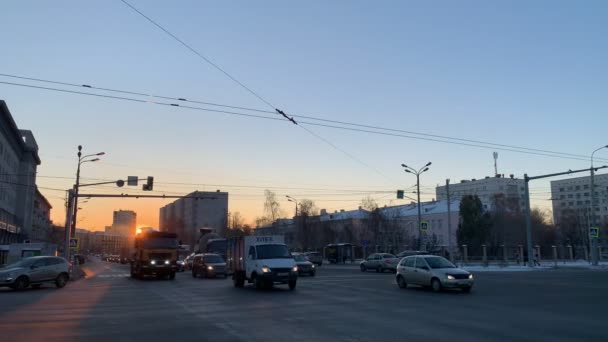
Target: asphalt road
x: 339, y: 304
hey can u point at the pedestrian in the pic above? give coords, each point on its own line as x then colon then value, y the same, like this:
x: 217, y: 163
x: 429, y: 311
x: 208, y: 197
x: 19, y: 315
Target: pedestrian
x: 517, y: 258
x: 536, y: 258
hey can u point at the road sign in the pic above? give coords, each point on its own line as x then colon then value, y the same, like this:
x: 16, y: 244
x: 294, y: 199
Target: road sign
x: 73, y: 244
x: 424, y: 225
x: 594, y: 232
x: 400, y: 194
x: 132, y: 180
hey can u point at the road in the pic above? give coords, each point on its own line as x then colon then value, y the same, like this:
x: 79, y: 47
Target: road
x: 339, y: 304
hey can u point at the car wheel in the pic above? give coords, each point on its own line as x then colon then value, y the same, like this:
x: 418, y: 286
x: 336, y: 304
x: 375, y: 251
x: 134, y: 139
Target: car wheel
x: 312, y: 274
x: 21, y: 283
x: 172, y: 276
x: 401, y: 282
x: 193, y: 274
x: 292, y: 285
x: 225, y: 275
x: 363, y: 268
x: 467, y: 289
x: 61, y: 280
x: 259, y: 284
x: 435, y: 285
x: 380, y: 269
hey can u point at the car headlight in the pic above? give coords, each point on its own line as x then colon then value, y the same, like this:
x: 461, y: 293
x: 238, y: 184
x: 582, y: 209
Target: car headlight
x: 313, y: 265
x: 471, y: 276
x: 451, y: 277
x: 210, y: 268
x: 152, y: 262
x: 265, y: 269
x: 166, y: 262
x: 295, y: 269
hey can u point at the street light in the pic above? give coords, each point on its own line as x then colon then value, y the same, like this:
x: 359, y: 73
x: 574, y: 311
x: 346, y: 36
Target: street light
x: 81, y: 160
x: 418, y: 173
x: 291, y: 199
x: 593, y: 240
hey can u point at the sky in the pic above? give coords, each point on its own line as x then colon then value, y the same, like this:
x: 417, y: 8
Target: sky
x: 531, y: 74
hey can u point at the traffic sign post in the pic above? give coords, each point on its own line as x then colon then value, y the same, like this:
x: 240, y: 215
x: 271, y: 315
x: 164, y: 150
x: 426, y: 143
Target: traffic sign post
x: 424, y: 226
x: 73, y: 244
x: 594, y: 232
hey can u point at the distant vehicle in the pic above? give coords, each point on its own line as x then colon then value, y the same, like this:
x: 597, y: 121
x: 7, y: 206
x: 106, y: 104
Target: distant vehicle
x: 262, y: 260
x: 217, y: 246
x: 180, y: 266
x: 304, y: 265
x: 380, y: 262
x: 208, y: 265
x: 188, y: 262
x: 315, y: 257
x: 434, y: 271
x: 35, y: 271
x: 155, y: 253
x: 404, y: 254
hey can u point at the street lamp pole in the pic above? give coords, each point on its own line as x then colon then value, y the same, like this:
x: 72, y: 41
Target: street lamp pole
x: 291, y: 199
x: 81, y: 160
x: 592, y: 222
x: 418, y: 173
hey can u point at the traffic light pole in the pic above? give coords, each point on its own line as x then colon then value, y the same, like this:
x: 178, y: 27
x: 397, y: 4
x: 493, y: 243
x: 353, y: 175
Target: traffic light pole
x: 136, y: 196
x: 68, y: 223
x: 528, y: 213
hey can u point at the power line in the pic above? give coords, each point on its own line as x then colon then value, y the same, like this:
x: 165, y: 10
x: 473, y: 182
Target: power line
x: 304, y: 117
x: 301, y: 123
x: 31, y: 186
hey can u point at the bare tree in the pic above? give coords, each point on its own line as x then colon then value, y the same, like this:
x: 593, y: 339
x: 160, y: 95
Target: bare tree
x: 272, y: 207
x: 308, y: 208
x: 262, y: 221
x: 368, y: 203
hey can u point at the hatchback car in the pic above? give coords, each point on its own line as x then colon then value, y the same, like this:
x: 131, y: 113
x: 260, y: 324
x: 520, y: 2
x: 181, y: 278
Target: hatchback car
x: 315, y: 257
x: 304, y: 265
x: 208, y: 265
x: 380, y: 262
x: 35, y: 271
x: 433, y: 271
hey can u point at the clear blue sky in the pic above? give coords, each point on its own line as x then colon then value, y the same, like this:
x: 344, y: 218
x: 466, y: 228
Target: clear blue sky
x: 524, y: 73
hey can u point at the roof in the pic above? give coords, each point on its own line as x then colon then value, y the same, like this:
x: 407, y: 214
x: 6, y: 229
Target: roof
x: 345, y: 215
x: 436, y: 207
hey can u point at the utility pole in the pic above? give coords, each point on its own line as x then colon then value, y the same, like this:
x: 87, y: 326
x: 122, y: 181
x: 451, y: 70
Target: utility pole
x: 68, y: 224
x: 447, y: 189
x: 593, y: 222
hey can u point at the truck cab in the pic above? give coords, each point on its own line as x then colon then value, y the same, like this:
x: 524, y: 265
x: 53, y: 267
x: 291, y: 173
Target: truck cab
x: 155, y: 253
x: 263, y: 261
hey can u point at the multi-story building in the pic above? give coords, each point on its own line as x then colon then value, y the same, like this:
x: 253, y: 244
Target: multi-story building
x: 187, y: 215
x: 508, y: 193
x: 18, y: 162
x: 41, y: 221
x: 572, y: 196
x: 124, y: 222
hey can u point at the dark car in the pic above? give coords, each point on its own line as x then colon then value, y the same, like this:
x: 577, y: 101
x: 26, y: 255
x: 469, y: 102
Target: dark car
x: 208, y: 265
x: 315, y: 257
x: 304, y: 265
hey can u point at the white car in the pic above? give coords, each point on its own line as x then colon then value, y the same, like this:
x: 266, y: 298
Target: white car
x: 433, y: 271
x: 35, y: 271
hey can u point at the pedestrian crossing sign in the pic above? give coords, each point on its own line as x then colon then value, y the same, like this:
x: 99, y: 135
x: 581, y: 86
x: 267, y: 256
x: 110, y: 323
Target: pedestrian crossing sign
x: 424, y: 226
x: 594, y: 232
x: 73, y: 244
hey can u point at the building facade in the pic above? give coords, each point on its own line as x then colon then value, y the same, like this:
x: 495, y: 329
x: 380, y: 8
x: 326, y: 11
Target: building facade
x: 186, y: 216
x: 18, y: 163
x: 41, y: 220
x: 572, y: 197
x: 492, y: 191
x: 124, y: 222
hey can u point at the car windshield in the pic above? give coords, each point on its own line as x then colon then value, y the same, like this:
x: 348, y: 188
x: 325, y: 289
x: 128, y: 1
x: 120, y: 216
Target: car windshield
x: 300, y: 257
x: 21, y: 263
x: 213, y: 259
x: 160, y: 243
x: 439, y: 262
x: 273, y: 252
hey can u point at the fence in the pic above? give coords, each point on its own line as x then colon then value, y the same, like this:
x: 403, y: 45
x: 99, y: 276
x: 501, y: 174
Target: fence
x: 517, y: 255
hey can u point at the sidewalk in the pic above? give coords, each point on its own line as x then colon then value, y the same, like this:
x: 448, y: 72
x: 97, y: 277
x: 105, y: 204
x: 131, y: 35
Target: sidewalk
x: 545, y: 265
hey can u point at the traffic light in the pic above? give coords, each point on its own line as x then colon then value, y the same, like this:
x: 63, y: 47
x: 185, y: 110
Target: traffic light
x: 149, y: 184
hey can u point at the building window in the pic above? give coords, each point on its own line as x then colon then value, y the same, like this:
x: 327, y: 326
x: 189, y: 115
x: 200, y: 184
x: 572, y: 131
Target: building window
x: 561, y: 189
x: 570, y: 195
x: 569, y: 188
x: 570, y: 203
x: 578, y: 195
x: 579, y: 202
x: 586, y: 194
x: 562, y: 196
x: 586, y: 186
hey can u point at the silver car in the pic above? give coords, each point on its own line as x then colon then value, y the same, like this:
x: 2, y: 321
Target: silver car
x: 35, y: 271
x: 379, y: 262
x: 434, y: 271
